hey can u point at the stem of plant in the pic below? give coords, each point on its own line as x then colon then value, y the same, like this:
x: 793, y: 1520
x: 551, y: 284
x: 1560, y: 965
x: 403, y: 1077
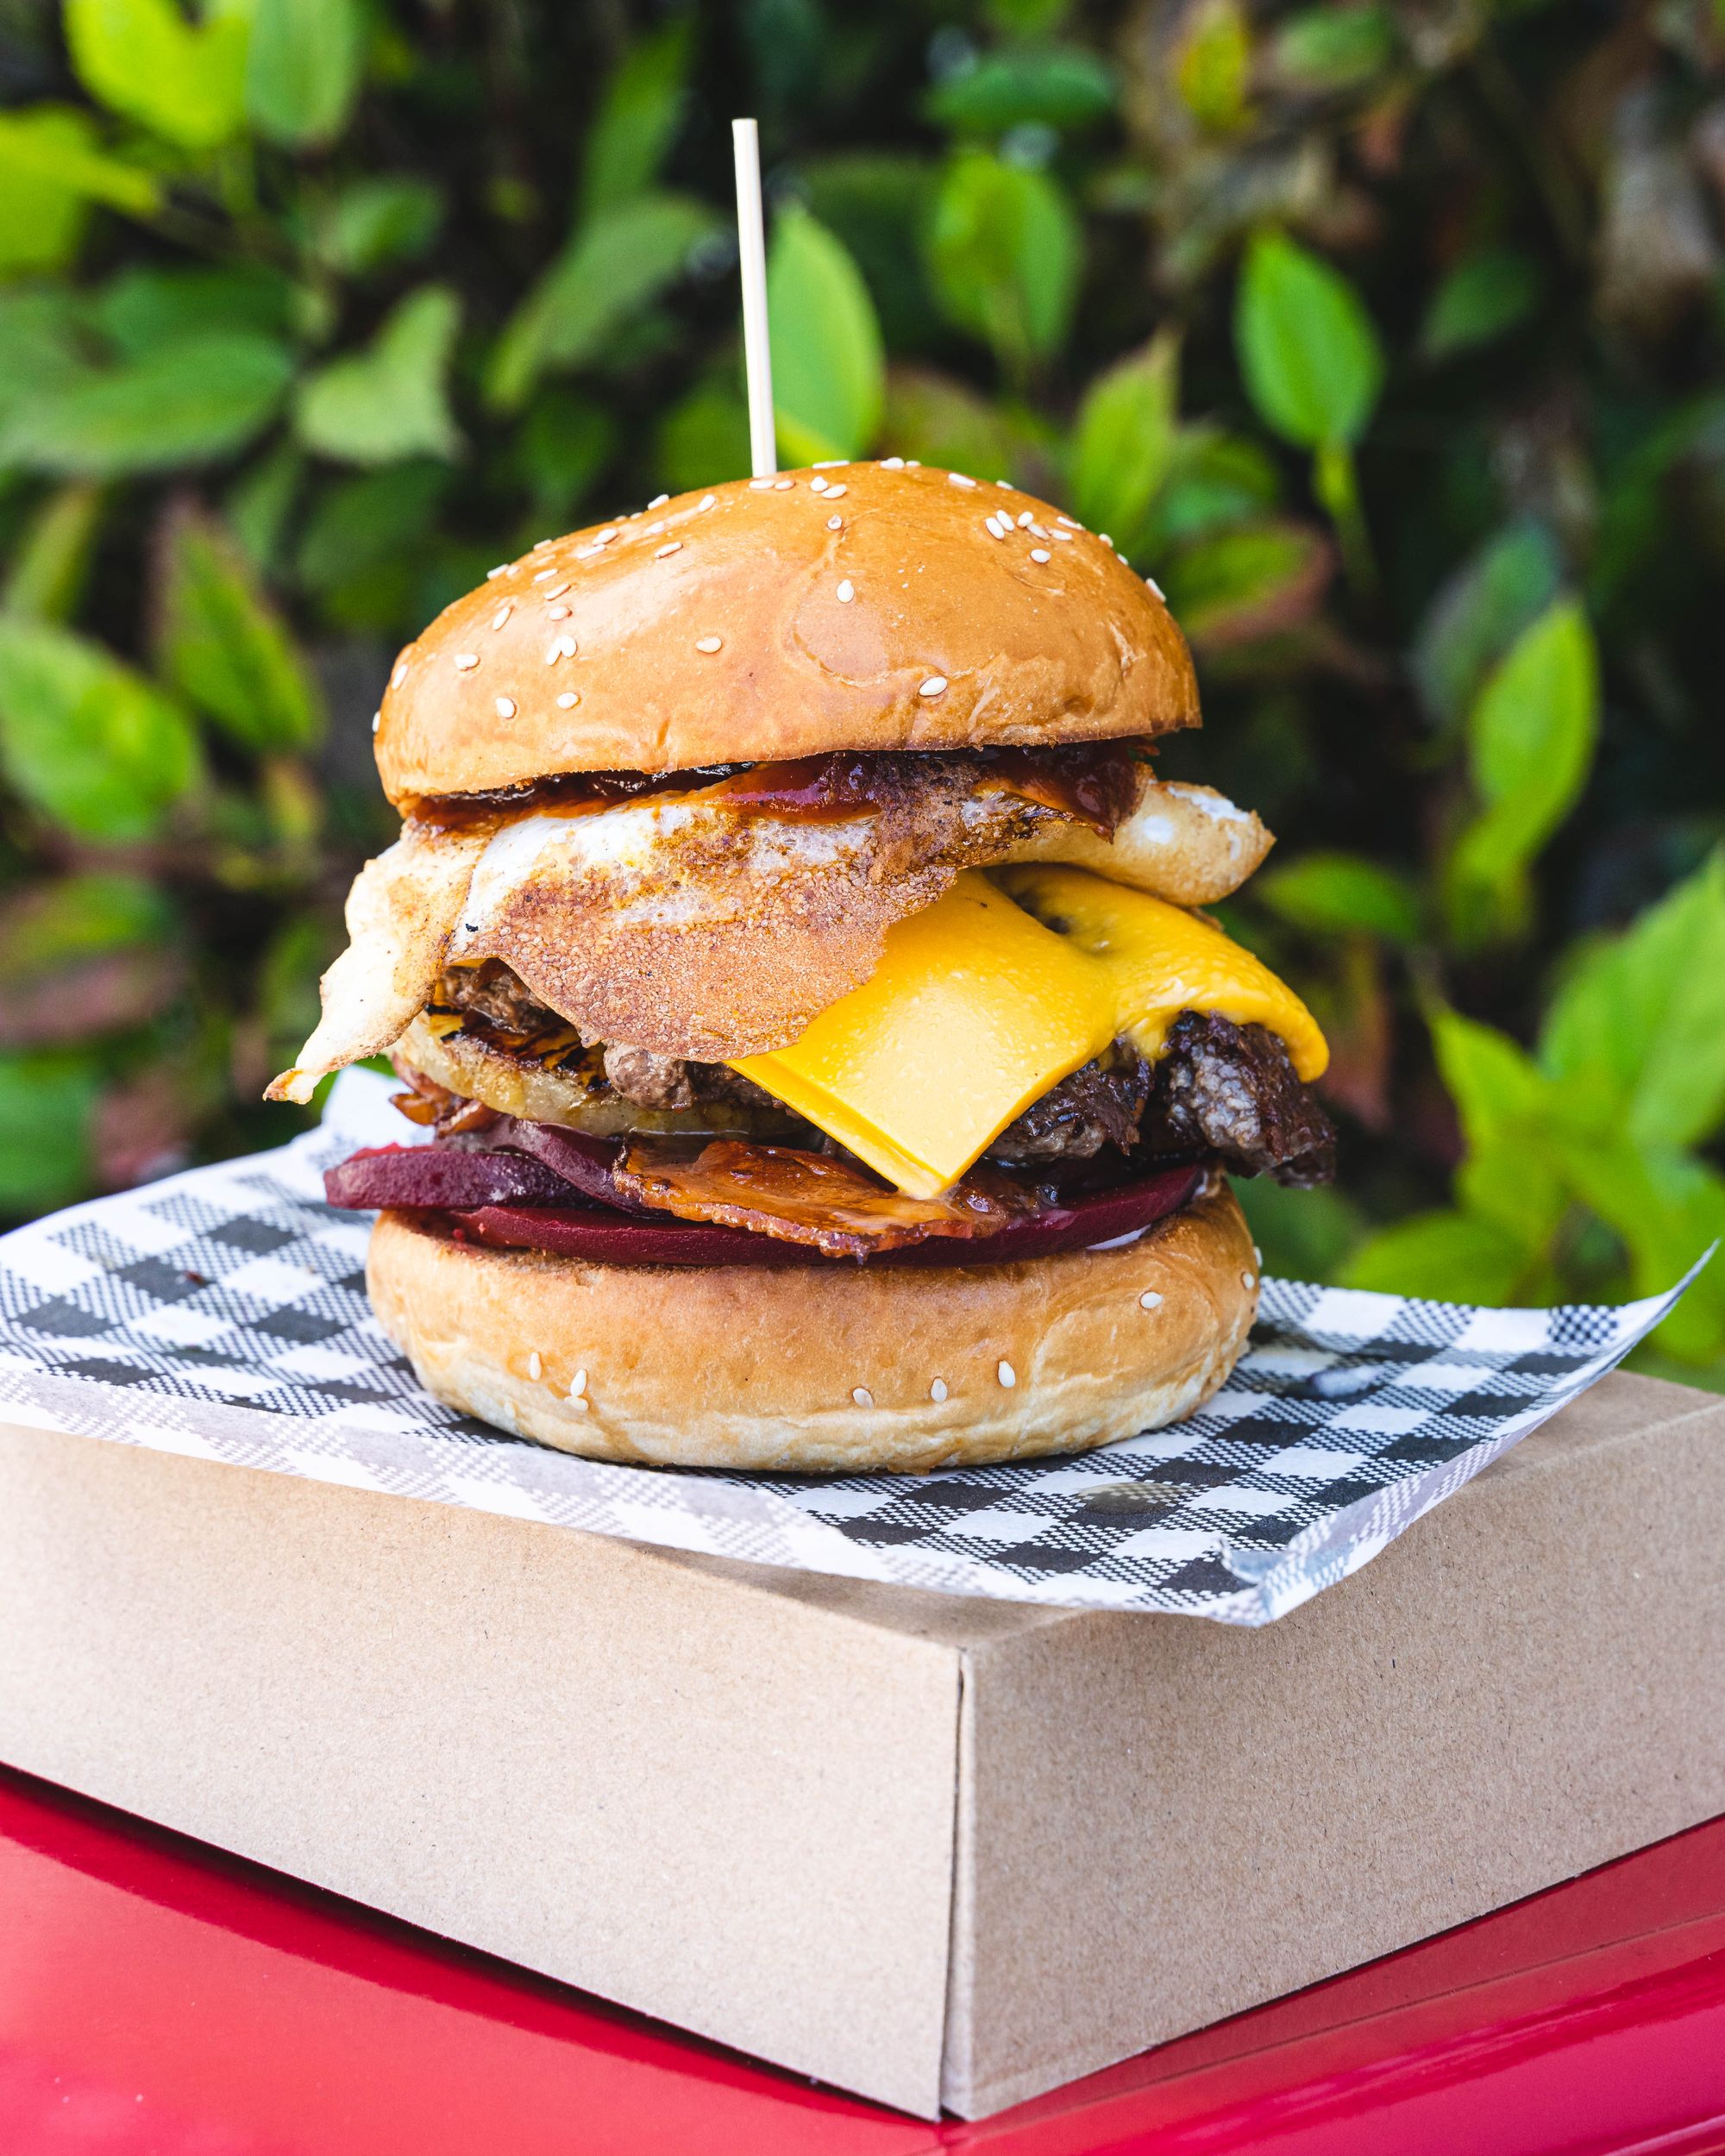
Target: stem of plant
x: 1336, y: 484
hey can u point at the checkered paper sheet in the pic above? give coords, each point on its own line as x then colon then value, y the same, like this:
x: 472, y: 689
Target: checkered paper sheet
x: 222, y: 1313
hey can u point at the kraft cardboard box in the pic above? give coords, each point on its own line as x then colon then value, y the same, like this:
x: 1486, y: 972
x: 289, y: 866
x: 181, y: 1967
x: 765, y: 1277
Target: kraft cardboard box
x: 941, y: 1852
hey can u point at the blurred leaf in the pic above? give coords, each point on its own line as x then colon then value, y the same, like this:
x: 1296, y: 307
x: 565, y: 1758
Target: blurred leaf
x: 880, y: 205
x: 1482, y: 296
x: 1214, y: 63
x: 50, y: 173
x: 1667, y: 1208
x: 1028, y: 18
x: 567, y: 441
x: 51, y: 558
x: 1303, y: 1234
x: 1637, y: 1032
x: 1507, y: 1111
x: 1005, y: 252
x: 1441, y: 1257
x: 86, y: 954
x: 829, y: 368
x: 362, y: 549
x: 945, y: 423
x: 85, y: 740
x: 260, y: 502
x: 703, y: 438
x: 143, y: 310
x: 1480, y: 613
x: 1331, y: 48
x: 1307, y: 346
x: 1336, y: 894
x: 39, y: 347
x: 390, y: 401
x: 628, y: 136
x: 220, y: 645
x: 1253, y: 580
x: 186, y: 81
x: 46, y: 1101
x: 182, y: 403
x: 1061, y: 86
x: 609, y: 272
x: 1530, y: 738
x: 374, y: 223
x: 73, y: 918
x: 1123, y: 443
x: 1215, y: 480
x: 302, y: 70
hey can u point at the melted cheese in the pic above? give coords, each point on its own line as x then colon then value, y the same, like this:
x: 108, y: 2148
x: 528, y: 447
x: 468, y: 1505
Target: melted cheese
x: 983, y: 1001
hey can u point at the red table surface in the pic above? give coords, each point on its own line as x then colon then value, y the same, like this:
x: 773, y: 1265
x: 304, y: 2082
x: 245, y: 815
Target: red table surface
x: 158, y: 1998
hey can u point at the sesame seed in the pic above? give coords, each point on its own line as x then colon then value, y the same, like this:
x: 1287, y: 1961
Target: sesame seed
x: 818, y: 486
x: 913, y: 464
x: 604, y: 538
x: 708, y: 644
x: 862, y: 1395
x: 556, y: 591
x: 1007, y: 1376
x: 961, y: 479
x: 707, y: 501
x: 783, y: 487
x: 541, y: 576
x: 377, y: 720
x: 936, y: 1391
x: 847, y: 591
x: 1157, y: 588
x: 397, y: 677
x: 576, y: 1400
x: 536, y: 1369
x: 652, y: 531
x: 465, y: 662
x: 892, y: 464
x: 506, y: 707
x: 833, y: 492
x: 560, y: 648
x: 1005, y: 483
x: 1150, y: 1300
x: 831, y: 464
x: 1248, y: 1281
x: 1033, y: 526
x: 578, y: 1384
x: 567, y: 700
x: 502, y: 615
x: 1105, y: 539
x: 759, y: 486
x: 674, y: 546
x: 1066, y: 535
x: 540, y: 545
x: 1257, y: 1253
x: 1026, y: 520
x: 586, y: 554
x: 933, y: 686
x: 835, y: 523
x: 992, y: 525
x: 658, y: 501
x: 557, y: 613
x: 502, y: 569
x: 1070, y: 522
x: 1041, y: 553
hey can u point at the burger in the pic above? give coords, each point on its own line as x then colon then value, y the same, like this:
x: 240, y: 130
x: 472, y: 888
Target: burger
x: 800, y: 981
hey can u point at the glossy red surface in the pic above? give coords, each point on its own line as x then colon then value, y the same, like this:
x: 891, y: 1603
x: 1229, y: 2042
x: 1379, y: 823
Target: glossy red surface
x: 158, y: 1999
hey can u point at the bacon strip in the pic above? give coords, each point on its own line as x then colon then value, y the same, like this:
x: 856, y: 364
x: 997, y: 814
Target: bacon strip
x: 812, y: 1199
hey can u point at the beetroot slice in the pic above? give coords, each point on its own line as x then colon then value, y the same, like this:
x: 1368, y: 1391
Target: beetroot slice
x: 443, y: 1177
x: 602, y: 1239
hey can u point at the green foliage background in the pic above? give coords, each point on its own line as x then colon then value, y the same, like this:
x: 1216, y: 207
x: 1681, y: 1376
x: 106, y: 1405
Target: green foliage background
x: 1386, y: 337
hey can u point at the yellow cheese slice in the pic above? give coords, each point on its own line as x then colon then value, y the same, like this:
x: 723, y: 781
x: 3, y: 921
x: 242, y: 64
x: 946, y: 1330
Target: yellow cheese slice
x: 1163, y: 960
x: 975, y: 1011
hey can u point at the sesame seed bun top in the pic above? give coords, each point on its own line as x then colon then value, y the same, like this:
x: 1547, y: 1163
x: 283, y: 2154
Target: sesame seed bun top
x: 863, y: 606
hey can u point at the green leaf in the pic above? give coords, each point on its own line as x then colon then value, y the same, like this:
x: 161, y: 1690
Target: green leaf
x: 1667, y: 1208
x: 1530, y: 738
x: 1254, y: 581
x: 362, y: 548
x: 1005, y: 252
x: 39, y: 346
x: 1213, y: 65
x: 143, y: 58
x: 1481, y: 296
x: 880, y: 205
x: 69, y: 920
x: 1480, y: 613
x: 390, y: 401
x: 85, y: 739
x: 51, y: 557
x: 1337, y: 893
x: 1444, y: 1257
x: 302, y: 70
x: 1123, y: 443
x: 944, y: 422
x: 628, y: 138
x: 50, y: 174
x: 828, y: 366
x: 1215, y: 480
x: 1303, y: 1234
x: 374, y: 223
x: 142, y: 310
x: 1636, y: 1033
x: 1332, y: 48
x: 1507, y: 1110
x: 609, y: 272
x: 1307, y: 346
x: 46, y: 1101
x: 703, y: 438
x: 260, y: 501
x: 567, y: 439
x: 223, y: 647
x: 1062, y: 86
x: 187, y: 402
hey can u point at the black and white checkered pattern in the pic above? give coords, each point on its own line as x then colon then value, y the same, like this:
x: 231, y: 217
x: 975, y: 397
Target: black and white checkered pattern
x: 224, y: 1314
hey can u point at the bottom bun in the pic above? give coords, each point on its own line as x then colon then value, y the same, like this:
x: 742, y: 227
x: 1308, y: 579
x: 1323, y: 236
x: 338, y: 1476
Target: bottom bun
x: 824, y: 1368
